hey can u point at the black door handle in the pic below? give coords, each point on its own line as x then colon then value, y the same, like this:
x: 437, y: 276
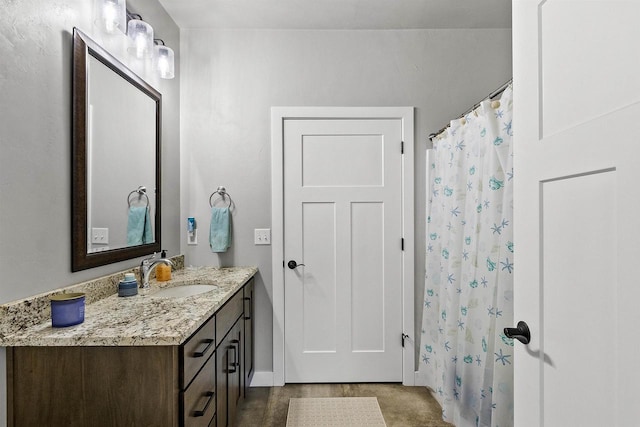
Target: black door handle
x: 293, y: 265
x: 521, y: 333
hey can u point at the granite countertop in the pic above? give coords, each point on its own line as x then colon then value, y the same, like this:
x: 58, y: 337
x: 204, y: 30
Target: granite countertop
x: 143, y: 319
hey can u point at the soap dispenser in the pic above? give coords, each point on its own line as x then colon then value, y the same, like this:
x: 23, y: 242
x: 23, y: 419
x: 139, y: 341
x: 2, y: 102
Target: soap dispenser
x: 163, y: 272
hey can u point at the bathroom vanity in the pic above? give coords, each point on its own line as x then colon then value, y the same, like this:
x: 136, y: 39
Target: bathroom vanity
x: 146, y: 360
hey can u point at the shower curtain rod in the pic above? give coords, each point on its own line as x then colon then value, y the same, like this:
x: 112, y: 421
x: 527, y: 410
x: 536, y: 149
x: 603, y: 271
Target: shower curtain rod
x: 490, y: 96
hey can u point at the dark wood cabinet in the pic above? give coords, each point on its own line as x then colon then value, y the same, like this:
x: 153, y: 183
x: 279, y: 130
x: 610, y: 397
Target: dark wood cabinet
x: 199, y: 383
x: 230, y: 358
x: 229, y: 374
x: 249, y: 327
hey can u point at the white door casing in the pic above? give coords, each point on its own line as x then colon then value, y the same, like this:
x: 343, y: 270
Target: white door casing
x: 576, y: 150
x: 317, y: 195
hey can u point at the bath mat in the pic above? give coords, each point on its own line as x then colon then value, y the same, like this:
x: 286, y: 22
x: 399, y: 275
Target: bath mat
x: 334, y: 412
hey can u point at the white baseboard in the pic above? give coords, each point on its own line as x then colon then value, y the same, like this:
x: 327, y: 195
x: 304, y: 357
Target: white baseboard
x: 262, y: 379
x: 419, y: 380
x: 265, y: 379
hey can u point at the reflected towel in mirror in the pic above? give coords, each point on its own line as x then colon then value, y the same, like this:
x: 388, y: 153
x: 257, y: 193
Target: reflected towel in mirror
x: 139, y: 226
x: 220, y: 230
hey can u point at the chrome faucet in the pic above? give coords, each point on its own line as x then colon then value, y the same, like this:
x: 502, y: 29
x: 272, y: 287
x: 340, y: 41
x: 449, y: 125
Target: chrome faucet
x: 146, y: 267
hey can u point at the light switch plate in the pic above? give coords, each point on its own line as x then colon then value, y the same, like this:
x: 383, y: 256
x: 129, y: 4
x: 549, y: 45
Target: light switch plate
x: 262, y: 236
x: 192, y: 237
x: 100, y: 235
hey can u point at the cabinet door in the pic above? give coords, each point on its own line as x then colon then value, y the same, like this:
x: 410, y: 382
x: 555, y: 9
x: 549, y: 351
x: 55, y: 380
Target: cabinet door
x: 236, y: 373
x: 249, y: 306
x: 229, y: 375
x: 222, y: 368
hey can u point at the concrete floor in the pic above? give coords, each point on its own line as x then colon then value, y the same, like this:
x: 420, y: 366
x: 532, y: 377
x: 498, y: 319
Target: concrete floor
x: 401, y: 406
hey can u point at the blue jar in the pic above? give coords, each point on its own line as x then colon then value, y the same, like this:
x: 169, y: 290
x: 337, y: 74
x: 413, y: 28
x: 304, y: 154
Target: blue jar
x: 128, y: 286
x: 67, y: 309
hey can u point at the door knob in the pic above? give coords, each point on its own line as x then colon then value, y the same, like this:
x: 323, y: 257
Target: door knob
x: 292, y: 264
x: 521, y: 333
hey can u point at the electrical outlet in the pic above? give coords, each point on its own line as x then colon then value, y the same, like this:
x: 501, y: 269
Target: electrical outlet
x: 100, y: 236
x: 262, y: 236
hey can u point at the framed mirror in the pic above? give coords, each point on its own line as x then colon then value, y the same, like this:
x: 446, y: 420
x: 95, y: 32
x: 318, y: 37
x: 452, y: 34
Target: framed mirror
x: 115, y: 192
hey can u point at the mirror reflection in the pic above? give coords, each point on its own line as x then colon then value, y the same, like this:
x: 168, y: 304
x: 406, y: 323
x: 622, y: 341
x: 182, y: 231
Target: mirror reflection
x: 116, y: 159
x: 120, y: 160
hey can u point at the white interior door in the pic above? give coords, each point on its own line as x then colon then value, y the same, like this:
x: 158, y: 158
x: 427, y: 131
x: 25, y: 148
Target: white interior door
x: 343, y: 221
x: 577, y: 211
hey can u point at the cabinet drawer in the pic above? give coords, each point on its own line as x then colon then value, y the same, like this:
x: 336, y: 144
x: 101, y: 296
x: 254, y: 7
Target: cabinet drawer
x: 196, y: 350
x: 199, y: 400
x: 227, y: 316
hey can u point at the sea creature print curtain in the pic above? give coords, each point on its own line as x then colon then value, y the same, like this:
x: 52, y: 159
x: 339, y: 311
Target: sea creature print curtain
x: 468, y: 300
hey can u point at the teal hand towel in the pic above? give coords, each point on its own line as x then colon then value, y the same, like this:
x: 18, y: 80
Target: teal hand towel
x: 139, y: 226
x: 220, y: 230
x: 148, y: 233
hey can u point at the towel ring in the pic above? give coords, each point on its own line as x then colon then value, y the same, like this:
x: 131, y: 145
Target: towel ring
x: 223, y: 193
x: 142, y: 191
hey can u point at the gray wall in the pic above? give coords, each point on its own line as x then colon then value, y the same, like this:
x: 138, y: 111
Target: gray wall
x: 35, y: 146
x: 231, y: 78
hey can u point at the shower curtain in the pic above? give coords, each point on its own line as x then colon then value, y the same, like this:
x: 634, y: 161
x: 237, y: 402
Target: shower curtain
x: 468, y: 300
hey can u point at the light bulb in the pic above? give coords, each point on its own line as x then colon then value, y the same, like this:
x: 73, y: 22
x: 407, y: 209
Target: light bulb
x: 110, y: 15
x: 140, y: 46
x: 164, y: 58
x: 141, y: 38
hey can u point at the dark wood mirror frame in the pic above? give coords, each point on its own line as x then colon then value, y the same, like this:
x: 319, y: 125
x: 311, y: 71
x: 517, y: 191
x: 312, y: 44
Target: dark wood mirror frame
x: 81, y: 259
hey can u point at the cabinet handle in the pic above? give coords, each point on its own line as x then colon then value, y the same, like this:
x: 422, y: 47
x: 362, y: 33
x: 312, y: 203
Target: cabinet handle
x: 206, y: 343
x: 236, y: 361
x: 200, y: 413
x: 250, y: 309
x: 232, y: 369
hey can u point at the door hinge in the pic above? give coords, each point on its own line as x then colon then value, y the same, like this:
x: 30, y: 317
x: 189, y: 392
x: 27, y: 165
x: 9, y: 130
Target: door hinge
x: 401, y: 147
x: 282, y: 263
x: 402, y: 244
x: 404, y: 337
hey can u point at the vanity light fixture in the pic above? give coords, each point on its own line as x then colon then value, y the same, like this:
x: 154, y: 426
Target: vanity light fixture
x: 111, y: 15
x: 140, y: 37
x: 164, y: 59
x: 142, y: 45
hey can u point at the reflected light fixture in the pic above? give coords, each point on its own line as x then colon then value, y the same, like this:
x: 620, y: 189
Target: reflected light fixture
x: 111, y: 15
x: 140, y: 37
x: 163, y: 57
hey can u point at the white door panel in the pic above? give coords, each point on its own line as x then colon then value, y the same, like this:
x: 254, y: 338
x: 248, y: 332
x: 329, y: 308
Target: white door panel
x: 587, y: 76
x: 576, y: 207
x: 367, y: 277
x: 577, y: 302
x: 320, y: 297
x: 342, y: 161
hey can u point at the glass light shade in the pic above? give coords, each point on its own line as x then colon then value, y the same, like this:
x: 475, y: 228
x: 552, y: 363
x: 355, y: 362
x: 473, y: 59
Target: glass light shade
x: 140, y: 38
x: 163, y: 57
x: 110, y: 15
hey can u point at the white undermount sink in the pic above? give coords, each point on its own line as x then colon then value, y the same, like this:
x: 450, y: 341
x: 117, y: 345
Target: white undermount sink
x: 182, y: 291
